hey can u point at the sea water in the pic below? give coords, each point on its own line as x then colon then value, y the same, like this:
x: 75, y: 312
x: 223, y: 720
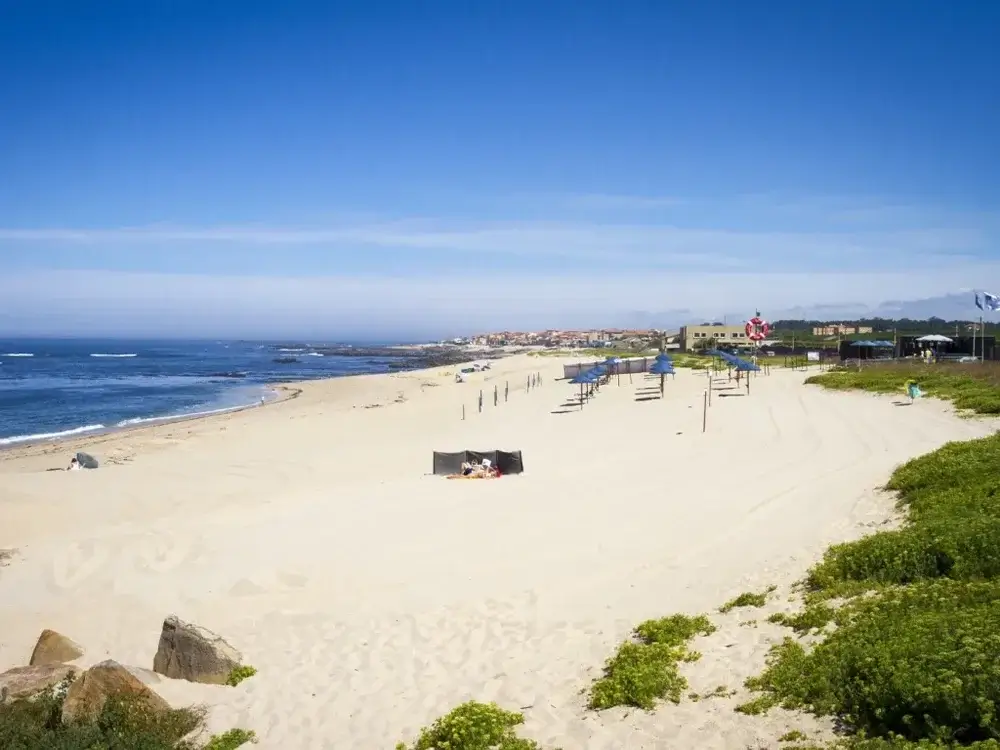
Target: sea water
x: 58, y: 388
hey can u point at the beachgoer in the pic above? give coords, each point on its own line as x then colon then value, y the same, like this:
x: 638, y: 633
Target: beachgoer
x: 74, y: 465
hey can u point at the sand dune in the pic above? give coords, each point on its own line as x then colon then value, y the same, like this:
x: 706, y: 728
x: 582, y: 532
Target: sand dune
x: 373, y: 597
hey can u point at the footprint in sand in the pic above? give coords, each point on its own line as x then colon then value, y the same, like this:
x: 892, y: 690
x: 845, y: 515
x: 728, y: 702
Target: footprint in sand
x: 76, y: 563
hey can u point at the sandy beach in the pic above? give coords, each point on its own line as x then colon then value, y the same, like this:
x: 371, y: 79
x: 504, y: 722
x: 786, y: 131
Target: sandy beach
x: 373, y: 597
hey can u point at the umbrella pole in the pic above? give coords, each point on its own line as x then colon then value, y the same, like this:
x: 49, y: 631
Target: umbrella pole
x: 662, y: 376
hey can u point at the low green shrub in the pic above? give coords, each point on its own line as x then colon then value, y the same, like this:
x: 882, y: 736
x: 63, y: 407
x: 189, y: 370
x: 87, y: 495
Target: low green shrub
x: 747, y: 599
x: 645, y: 670
x: 813, y: 617
x: 975, y: 387
x: 473, y: 726
x: 124, y: 724
x: 240, y: 673
x: 231, y: 740
x: 920, y: 661
x: 953, y: 528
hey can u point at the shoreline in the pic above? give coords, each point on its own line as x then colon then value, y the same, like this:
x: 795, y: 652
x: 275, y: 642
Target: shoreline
x: 286, y: 390
x: 76, y: 442
x: 71, y: 439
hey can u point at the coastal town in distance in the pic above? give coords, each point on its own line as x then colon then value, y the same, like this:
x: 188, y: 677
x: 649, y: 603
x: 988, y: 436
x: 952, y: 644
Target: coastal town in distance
x: 785, y: 337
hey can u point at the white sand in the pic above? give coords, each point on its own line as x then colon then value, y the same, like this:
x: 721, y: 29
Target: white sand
x: 373, y: 597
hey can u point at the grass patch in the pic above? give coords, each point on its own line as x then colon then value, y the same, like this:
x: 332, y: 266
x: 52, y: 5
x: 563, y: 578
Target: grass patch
x: 646, y: 669
x: 972, y: 386
x: 793, y: 736
x: 914, y: 663
x: 124, y: 724
x: 815, y: 616
x: 473, y: 726
x: 239, y: 674
x: 231, y: 740
x: 748, y: 599
x: 920, y: 662
x: 953, y: 528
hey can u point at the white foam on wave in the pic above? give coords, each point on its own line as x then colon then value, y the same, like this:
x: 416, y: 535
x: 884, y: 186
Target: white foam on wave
x: 114, y: 356
x: 18, y: 354
x: 50, y: 435
x: 314, y: 354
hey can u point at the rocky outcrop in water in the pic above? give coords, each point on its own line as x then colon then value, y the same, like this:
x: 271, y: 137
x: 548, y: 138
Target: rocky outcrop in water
x: 401, y: 358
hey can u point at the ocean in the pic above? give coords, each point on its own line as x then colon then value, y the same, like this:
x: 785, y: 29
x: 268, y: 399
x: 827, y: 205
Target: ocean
x: 55, y: 388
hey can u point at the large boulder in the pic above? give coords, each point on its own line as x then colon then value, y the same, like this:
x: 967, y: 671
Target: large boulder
x: 193, y: 653
x: 87, y: 695
x: 24, y: 682
x: 54, y: 648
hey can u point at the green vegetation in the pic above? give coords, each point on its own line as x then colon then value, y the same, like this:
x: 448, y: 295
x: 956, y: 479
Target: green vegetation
x: 793, y: 736
x: 914, y: 659
x: 748, y: 599
x: 231, y: 740
x: 473, y: 726
x: 240, y: 673
x: 645, y: 670
x: 814, y: 617
x: 953, y: 529
x: 124, y: 724
x: 972, y: 386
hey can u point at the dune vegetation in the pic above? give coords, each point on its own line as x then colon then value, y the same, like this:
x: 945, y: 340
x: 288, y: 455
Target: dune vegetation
x: 910, y: 656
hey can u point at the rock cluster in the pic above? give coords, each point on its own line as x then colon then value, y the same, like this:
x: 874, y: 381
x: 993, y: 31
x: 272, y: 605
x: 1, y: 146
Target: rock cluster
x: 185, y: 651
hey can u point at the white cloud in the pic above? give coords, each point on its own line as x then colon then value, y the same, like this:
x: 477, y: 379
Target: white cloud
x: 644, y: 245
x: 98, y: 302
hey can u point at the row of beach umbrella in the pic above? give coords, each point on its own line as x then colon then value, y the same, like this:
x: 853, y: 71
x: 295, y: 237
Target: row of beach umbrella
x: 735, y: 362
x: 591, y: 378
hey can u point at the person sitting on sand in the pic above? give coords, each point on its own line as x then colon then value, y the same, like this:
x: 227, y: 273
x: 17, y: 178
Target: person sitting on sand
x: 74, y: 465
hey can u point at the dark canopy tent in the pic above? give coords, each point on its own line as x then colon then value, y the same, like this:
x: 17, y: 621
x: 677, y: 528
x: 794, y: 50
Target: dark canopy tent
x: 506, y: 462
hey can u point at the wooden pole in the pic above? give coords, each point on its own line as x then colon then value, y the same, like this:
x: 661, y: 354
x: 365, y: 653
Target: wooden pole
x: 463, y: 412
x: 495, y: 395
x: 506, y: 390
x: 704, y: 411
x: 480, y: 401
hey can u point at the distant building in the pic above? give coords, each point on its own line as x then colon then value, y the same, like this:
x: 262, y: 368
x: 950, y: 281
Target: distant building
x: 695, y: 337
x: 840, y: 329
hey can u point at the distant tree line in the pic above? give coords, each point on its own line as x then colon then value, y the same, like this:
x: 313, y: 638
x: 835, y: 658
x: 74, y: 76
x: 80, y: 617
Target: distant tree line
x: 902, y: 326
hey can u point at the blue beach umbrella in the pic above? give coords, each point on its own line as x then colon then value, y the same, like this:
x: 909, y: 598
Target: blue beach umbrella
x: 662, y: 368
x: 582, y: 379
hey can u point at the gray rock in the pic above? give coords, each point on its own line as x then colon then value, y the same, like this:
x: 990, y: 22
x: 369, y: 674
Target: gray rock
x: 24, y: 682
x: 87, y: 695
x: 193, y: 653
x: 54, y: 648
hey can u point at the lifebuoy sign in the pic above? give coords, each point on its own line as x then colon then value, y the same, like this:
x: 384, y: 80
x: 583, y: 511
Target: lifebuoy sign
x: 757, y: 328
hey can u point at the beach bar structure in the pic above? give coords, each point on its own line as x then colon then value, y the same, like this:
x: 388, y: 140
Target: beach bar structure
x: 959, y: 346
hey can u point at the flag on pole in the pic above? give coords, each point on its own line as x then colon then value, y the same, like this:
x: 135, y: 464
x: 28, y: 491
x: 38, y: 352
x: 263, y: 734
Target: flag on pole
x: 991, y: 302
x: 979, y: 302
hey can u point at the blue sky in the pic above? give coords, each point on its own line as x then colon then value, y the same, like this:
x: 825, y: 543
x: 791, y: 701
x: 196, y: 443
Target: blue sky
x: 261, y: 168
